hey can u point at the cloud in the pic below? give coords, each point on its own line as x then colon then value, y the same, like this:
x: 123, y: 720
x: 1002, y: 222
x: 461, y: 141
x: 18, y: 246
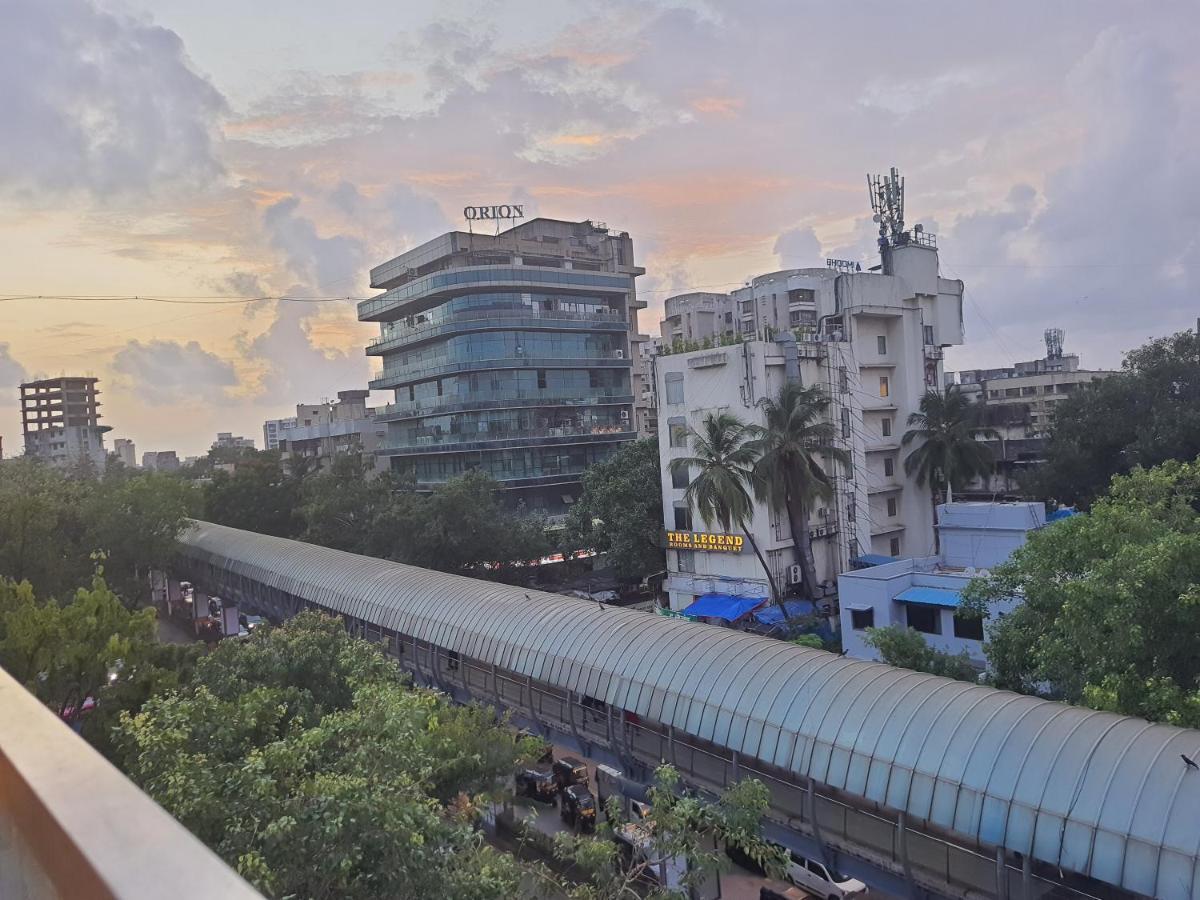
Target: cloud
x: 168, y: 373
x: 798, y: 248
x: 12, y: 373
x: 99, y: 102
x: 320, y: 264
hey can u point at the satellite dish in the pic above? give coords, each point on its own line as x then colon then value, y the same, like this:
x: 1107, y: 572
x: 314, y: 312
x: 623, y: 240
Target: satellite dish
x: 875, y: 218
x: 918, y: 228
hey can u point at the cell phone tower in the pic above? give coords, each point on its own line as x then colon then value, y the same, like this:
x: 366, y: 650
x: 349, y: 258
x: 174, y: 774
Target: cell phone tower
x: 887, y: 201
x: 1054, y: 343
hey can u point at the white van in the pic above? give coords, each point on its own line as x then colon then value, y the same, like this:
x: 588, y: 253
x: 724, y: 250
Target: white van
x: 823, y: 881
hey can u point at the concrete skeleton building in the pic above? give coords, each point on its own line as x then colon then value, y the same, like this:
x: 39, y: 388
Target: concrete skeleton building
x: 515, y: 353
x: 60, y: 418
x: 1020, y: 401
x: 924, y: 593
x: 324, y: 431
x: 874, y: 341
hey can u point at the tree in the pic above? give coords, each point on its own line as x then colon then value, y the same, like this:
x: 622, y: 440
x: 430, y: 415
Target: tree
x: 789, y: 474
x: 681, y: 830
x: 904, y: 647
x: 1146, y: 414
x: 948, y: 454
x: 92, y: 648
x: 463, y: 526
x: 720, y: 491
x: 301, y: 757
x: 1110, y: 601
x: 344, y: 508
x: 257, y: 496
x: 620, y: 511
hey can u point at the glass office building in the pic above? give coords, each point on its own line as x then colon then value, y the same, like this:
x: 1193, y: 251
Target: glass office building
x: 509, y: 353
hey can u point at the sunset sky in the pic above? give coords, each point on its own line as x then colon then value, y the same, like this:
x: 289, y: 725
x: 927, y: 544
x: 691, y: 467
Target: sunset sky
x: 224, y: 150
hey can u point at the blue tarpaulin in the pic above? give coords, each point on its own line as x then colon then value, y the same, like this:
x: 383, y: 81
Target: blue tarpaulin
x: 1063, y: 512
x: 723, y: 606
x: 773, y: 615
x: 872, y: 559
x: 930, y: 597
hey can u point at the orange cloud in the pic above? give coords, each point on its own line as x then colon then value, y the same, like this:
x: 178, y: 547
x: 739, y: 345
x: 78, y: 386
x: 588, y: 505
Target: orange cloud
x: 718, y: 106
x: 581, y: 140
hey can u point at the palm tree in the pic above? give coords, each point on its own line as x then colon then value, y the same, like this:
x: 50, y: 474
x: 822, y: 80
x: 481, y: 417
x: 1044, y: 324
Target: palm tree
x: 789, y: 475
x: 721, y: 491
x: 946, y: 427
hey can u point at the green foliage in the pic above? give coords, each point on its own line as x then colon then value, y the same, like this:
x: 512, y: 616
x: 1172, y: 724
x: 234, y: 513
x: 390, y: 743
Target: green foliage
x: 620, y: 511
x: 52, y: 522
x: 91, y: 647
x: 1111, y: 601
x: 945, y: 428
x: 1144, y: 415
x: 905, y: 647
x: 301, y: 758
x: 680, y: 827
x: 257, y: 496
x: 808, y: 640
x: 789, y: 473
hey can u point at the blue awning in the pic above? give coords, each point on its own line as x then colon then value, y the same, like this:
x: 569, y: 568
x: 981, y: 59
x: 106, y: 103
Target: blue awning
x: 723, y: 606
x: 872, y: 559
x: 930, y: 597
x: 773, y: 615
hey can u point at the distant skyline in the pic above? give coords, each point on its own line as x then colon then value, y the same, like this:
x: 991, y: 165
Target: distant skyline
x: 227, y: 150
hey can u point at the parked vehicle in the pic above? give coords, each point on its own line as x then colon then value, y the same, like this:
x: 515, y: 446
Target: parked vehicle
x: 775, y: 891
x: 250, y: 622
x: 537, y: 783
x: 568, y: 771
x: 578, y: 807
x: 822, y: 880
x: 636, y: 846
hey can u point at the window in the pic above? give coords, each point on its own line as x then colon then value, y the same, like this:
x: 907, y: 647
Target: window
x: 969, y: 627
x: 541, y: 377
x: 687, y: 560
x: 861, y: 619
x: 675, y: 388
x: 683, y: 518
x: 927, y: 331
x: 886, y: 426
x: 889, y: 466
x: 845, y: 423
x: 881, y: 346
x: 891, y: 506
x: 843, y: 379
x: 678, y: 433
x: 679, y: 477
x: 894, y: 547
x: 925, y: 619
x: 884, y: 387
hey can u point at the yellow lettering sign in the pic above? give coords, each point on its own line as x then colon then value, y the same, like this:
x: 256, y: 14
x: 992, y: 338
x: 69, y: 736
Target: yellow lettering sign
x: 691, y: 540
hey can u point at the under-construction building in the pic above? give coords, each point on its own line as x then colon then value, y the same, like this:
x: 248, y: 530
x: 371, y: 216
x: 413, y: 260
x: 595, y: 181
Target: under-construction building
x: 61, y: 421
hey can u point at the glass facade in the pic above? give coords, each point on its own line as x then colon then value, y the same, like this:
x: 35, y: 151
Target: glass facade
x: 523, y: 372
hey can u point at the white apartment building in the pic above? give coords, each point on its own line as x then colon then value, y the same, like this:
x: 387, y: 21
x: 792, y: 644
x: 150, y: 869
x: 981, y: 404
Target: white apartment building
x: 227, y: 440
x: 924, y: 593
x: 874, y: 340
x: 275, y: 430
x: 126, y: 452
x: 324, y: 431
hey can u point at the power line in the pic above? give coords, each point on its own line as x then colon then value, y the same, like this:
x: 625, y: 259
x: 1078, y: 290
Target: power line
x: 173, y: 299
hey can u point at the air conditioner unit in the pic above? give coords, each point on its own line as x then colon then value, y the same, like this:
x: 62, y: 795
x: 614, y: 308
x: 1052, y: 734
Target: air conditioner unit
x: 624, y: 415
x: 619, y: 354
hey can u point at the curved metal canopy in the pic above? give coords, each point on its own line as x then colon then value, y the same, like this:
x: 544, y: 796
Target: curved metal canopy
x: 1092, y: 792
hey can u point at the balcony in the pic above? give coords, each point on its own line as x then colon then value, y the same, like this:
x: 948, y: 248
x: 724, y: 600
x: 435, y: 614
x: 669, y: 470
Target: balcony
x: 388, y: 380
x: 501, y: 440
x: 515, y: 399
x: 551, y: 320
x: 71, y: 825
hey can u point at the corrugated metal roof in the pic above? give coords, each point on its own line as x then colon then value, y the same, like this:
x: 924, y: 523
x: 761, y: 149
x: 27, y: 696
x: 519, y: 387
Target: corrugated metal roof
x: 1092, y: 792
x: 930, y: 596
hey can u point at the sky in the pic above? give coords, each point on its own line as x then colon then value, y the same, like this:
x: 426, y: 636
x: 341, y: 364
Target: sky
x: 224, y: 151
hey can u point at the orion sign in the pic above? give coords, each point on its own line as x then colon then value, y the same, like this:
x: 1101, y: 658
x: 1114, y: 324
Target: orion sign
x: 490, y: 213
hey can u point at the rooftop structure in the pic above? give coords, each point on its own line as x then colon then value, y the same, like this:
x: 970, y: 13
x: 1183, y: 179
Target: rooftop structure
x: 510, y: 353
x: 323, y: 431
x: 227, y: 440
x: 61, y: 421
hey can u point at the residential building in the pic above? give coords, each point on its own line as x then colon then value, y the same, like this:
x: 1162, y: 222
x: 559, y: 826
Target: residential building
x: 160, y: 460
x: 324, y: 431
x: 1020, y: 401
x: 874, y: 341
x: 126, y: 452
x: 273, y: 431
x: 510, y: 353
x: 226, y: 440
x: 924, y: 593
x: 61, y: 421
x: 697, y: 316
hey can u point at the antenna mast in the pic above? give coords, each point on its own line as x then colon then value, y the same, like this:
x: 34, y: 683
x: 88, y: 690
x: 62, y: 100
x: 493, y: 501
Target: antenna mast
x: 1054, y: 343
x: 887, y: 200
